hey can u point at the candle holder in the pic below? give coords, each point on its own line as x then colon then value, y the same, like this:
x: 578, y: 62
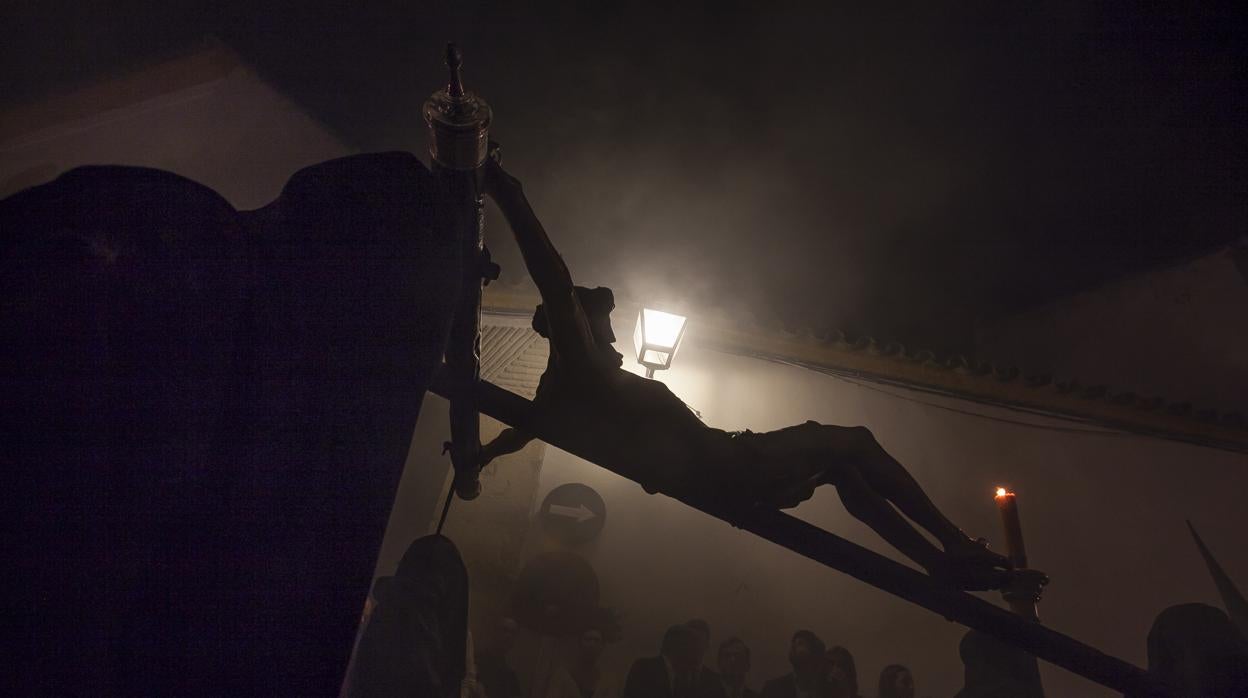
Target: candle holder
x: 1022, y: 592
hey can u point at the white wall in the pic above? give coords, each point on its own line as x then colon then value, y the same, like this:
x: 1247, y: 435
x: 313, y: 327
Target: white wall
x: 1103, y: 514
x: 234, y: 134
x: 1181, y: 333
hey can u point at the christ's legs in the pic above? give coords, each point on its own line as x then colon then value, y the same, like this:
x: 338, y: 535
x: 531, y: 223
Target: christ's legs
x: 855, y: 449
x: 893, y: 482
x: 871, y: 483
x: 864, y: 504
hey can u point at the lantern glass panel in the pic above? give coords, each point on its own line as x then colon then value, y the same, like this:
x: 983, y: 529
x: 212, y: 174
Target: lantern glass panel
x: 662, y: 330
x: 639, y: 339
x: 658, y: 359
x: 656, y: 337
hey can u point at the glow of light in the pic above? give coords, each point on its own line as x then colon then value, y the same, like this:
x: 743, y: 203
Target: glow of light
x: 662, y: 329
x: 657, y: 338
x: 1002, y: 492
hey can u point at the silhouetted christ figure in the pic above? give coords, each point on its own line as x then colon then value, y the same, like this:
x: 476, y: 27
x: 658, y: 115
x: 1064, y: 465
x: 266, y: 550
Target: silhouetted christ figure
x: 656, y: 440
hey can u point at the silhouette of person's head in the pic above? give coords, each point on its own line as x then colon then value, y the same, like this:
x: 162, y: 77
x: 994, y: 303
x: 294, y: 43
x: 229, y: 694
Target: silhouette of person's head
x: 434, y: 561
x: 589, y: 646
x: 597, y: 304
x: 806, y: 652
x: 420, y: 616
x: 896, y: 681
x: 1197, y: 651
x: 432, y: 564
x: 703, y: 630
x: 734, y: 660
x: 840, y: 670
x: 680, y: 648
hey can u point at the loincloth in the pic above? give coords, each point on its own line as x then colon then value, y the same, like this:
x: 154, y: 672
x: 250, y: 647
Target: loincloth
x: 778, y: 468
x: 637, y: 428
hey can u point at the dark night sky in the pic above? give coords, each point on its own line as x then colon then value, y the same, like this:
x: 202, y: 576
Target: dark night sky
x: 900, y: 172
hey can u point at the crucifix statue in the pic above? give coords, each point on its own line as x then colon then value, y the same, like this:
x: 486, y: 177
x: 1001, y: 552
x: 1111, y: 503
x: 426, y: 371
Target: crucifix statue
x: 659, y: 442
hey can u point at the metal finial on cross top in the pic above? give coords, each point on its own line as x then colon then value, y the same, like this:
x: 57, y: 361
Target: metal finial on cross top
x: 454, y: 64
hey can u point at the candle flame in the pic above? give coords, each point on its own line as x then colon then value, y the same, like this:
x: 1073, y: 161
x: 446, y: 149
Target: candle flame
x: 1002, y: 492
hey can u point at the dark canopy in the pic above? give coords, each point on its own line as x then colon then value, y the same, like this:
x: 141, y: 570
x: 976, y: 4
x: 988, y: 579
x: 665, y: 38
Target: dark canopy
x: 206, y: 416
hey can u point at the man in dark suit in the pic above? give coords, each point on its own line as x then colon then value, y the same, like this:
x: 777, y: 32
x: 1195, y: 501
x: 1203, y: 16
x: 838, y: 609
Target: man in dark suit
x: 734, y: 664
x: 806, y: 652
x: 672, y: 674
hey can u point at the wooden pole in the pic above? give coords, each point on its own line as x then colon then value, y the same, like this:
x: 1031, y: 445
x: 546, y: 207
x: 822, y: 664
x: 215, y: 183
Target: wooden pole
x: 862, y: 564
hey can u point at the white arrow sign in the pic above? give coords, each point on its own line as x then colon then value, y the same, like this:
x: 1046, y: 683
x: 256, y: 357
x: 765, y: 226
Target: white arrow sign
x: 580, y: 512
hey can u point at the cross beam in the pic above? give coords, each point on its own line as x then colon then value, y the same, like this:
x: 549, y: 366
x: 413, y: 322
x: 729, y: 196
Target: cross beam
x: 862, y: 564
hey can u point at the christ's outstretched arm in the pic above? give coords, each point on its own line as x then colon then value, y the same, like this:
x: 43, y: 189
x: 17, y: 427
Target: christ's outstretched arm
x: 570, y: 335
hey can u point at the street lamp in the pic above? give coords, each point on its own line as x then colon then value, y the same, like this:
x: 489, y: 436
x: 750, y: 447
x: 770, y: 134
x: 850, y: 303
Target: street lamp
x: 657, y: 338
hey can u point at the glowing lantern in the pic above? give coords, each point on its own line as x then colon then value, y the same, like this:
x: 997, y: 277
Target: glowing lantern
x: 657, y: 338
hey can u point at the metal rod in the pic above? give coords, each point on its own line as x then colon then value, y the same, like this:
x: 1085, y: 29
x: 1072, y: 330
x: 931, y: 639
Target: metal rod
x: 446, y: 506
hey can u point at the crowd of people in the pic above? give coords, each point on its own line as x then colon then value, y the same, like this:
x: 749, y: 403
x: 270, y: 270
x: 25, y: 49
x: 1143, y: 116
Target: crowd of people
x: 414, y: 641
x: 680, y: 670
x: 684, y: 668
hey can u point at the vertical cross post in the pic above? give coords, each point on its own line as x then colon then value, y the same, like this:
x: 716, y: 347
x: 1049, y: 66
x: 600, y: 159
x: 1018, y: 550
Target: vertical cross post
x: 459, y: 137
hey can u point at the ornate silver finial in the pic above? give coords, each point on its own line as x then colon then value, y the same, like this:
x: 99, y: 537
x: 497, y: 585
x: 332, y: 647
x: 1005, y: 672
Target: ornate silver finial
x: 454, y: 62
x: 458, y: 120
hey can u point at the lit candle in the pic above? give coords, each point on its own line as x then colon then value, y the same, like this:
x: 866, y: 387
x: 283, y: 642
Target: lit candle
x: 1022, y: 603
x: 1007, y: 502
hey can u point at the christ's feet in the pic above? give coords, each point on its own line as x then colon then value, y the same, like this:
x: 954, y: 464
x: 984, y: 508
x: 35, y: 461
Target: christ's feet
x: 975, y: 550
x: 969, y: 565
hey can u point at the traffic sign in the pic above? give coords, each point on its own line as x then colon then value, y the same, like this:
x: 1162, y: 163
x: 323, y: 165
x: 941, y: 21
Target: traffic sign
x: 573, y: 513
